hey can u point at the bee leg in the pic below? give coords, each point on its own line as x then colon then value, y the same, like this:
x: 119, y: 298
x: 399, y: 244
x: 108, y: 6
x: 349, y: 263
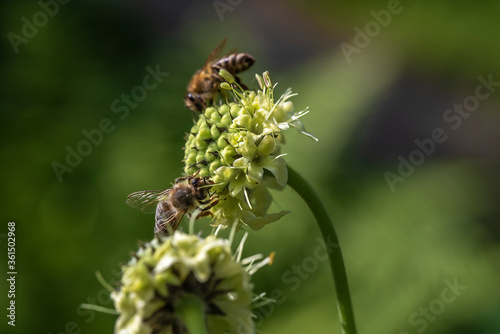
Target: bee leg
x: 204, y: 202
x: 207, y: 201
x: 204, y: 211
x: 189, y: 177
x: 204, y: 214
x: 214, y: 203
x: 180, y: 179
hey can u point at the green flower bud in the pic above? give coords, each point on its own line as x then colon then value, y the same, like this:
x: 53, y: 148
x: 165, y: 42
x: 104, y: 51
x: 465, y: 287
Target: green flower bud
x: 260, y: 81
x: 169, y: 270
x: 225, y: 86
x: 227, y: 76
x: 267, y: 79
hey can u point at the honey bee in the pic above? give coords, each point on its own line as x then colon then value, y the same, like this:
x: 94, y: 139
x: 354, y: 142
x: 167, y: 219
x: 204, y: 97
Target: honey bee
x: 204, y: 85
x: 188, y: 194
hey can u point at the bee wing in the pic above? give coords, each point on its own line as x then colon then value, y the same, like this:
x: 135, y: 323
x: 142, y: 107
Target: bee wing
x: 231, y: 52
x: 169, y: 224
x: 215, y: 54
x: 146, y: 200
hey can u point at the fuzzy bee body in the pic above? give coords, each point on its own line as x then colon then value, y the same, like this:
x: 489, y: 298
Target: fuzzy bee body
x: 188, y: 194
x: 204, y: 86
x: 234, y: 63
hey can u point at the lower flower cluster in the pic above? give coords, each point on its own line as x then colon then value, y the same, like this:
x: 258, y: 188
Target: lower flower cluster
x: 168, y: 269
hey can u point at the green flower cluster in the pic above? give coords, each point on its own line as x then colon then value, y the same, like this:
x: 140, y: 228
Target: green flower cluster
x: 177, y: 278
x: 166, y: 270
x: 238, y: 146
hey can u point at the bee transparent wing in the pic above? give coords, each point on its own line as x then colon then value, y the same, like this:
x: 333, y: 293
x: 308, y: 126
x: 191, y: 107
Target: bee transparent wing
x: 146, y: 200
x: 215, y: 54
x: 231, y: 52
x: 166, y: 225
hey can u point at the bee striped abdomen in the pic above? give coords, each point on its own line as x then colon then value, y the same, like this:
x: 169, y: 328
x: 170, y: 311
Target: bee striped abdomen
x: 234, y: 63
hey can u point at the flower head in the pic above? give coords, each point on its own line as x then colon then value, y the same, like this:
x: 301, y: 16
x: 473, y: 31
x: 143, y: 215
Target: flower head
x: 238, y: 145
x: 167, y: 270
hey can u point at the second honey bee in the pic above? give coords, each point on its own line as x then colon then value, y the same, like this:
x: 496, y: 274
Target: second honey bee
x: 204, y: 85
x: 189, y: 193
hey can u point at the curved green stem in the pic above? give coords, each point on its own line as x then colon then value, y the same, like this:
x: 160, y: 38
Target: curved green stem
x: 324, y: 221
x: 191, y: 310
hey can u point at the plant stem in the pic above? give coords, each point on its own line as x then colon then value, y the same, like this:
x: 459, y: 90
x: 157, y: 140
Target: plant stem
x: 191, y: 310
x: 324, y: 221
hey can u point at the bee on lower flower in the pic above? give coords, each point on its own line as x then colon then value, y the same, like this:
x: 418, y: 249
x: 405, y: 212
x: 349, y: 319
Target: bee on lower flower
x: 190, y: 194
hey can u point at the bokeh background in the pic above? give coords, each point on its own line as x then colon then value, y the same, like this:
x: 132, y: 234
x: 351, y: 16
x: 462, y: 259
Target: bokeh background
x: 403, y: 245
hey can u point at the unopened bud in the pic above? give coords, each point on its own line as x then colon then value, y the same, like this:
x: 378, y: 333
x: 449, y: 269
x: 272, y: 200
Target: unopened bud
x: 227, y: 76
x: 225, y: 86
x: 267, y: 79
x: 260, y: 81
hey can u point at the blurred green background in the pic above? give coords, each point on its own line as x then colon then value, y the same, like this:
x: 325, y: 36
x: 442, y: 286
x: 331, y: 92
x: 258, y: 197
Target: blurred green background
x: 402, y: 246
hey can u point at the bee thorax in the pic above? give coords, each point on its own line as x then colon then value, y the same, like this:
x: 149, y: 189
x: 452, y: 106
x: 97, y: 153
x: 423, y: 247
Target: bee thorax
x: 182, y: 198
